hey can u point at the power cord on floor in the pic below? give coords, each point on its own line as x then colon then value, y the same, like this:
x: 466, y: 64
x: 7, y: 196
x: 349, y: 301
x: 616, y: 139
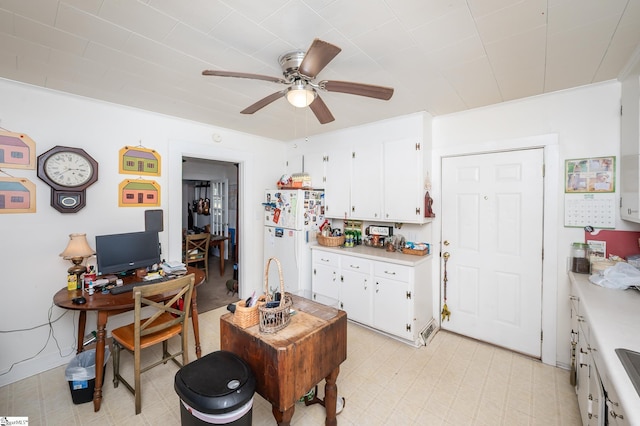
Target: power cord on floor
x: 51, y: 335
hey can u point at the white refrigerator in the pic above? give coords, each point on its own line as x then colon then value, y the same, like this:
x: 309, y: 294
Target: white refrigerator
x: 291, y: 220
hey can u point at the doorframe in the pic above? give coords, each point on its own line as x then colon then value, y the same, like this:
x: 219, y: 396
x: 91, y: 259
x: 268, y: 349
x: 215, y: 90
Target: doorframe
x: 175, y: 209
x: 551, y: 206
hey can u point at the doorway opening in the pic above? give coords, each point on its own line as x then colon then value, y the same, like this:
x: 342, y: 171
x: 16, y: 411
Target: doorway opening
x: 210, y: 204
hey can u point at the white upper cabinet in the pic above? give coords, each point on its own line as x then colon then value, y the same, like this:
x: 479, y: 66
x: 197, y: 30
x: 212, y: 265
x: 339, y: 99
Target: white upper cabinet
x: 337, y: 184
x: 404, y: 177
x: 366, y: 181
x: 382, y: 182
x: 374, y: 172
x: 630, y: 150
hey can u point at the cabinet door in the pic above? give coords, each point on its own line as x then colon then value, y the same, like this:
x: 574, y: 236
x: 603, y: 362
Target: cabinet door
x: 355, y: 288
x: 392, y: 307
x: 313, y: 164
x: 629, y: 149
x: 403, y: 181
x: 325, y: 278
x: 583, y: 365
x: 630, y: 187
x: 366, y: 183
x: 337, y: 185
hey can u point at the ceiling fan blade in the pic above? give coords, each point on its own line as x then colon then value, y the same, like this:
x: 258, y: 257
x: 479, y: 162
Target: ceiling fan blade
x: 320, y: 53
x: 360, y: 89
x: 243, y: 75
x: 263, y: 102
x: 321, y: 110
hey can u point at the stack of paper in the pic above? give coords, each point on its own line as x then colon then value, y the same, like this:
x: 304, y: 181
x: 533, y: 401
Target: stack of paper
x: 174, y: 267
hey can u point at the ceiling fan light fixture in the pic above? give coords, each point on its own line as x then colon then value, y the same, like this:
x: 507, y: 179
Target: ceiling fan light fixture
x: 301, y: 95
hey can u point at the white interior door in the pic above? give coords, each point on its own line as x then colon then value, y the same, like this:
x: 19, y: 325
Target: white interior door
x: 492, y: 223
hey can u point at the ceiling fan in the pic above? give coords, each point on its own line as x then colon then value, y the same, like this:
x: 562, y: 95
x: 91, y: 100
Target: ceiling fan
x: 300, y: 70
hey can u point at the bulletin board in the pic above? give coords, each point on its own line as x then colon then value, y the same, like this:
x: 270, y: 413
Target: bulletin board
x: 589, y: 198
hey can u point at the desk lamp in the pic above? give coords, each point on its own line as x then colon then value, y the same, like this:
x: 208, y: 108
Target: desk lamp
x: 77, y: 250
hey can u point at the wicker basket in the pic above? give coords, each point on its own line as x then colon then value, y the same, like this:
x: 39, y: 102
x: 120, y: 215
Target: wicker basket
x: 414, y: 252
x: 245, y: 317
x: 330, y: 241
x: 276, y: 318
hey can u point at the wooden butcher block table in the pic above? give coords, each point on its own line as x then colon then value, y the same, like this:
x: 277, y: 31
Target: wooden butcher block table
x: 289, y: 363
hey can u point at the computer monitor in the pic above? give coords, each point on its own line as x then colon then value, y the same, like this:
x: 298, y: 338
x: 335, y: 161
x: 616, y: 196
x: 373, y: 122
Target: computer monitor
x: 122, y: 253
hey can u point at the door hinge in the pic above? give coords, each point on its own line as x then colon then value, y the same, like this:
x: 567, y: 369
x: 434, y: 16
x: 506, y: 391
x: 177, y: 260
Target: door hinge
x: 543, y: 170
x: 353, y: 154
x: 408, y: 295
x: 620, y: 109
x: 541, y: 335
x: 418, y: 146
x: 341, y: 305
x: 418, y: 211
x: 314, y: 271
x: 409, y: 327
x: 543, y: 253
x: 325, y: 158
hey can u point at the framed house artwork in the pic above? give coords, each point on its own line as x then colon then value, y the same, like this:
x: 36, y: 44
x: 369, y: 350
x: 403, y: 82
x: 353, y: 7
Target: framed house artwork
x: 17, y: 195
x: 139, y: 161
x: 138, y: 193
x: 17, y: 151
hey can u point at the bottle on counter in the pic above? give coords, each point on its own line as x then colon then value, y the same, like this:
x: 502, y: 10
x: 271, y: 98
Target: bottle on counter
x: 579, y: 257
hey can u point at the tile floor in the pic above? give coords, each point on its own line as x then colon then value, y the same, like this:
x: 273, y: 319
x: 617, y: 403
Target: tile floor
x: 452, y: 381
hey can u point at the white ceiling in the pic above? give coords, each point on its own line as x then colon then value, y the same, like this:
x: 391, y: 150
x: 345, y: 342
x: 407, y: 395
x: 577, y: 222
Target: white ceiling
x: 441, y: 56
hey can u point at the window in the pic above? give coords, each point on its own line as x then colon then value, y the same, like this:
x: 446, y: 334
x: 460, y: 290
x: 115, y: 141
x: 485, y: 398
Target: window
x: 17, y: 154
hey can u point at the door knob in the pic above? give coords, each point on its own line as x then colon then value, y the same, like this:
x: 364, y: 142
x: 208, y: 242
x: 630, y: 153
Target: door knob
x: 446, y: 242
x: 446, y: 255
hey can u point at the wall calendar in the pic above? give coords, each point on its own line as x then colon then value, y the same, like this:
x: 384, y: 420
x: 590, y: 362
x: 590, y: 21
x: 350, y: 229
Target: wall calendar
x: 596, y: 210
x: 589, y: 198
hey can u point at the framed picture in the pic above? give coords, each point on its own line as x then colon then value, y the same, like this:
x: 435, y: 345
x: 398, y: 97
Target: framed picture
x: 590, y: 175
x: 17, y: 151
x: 17, y: 195
x: 135, y: 160
x: 138, y: 193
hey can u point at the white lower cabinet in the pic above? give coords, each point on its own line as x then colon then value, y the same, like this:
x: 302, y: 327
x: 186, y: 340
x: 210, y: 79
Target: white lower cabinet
x: 325, y: 278
x: 392, y: 299
x: 387, y: 296
x: 355, y: 288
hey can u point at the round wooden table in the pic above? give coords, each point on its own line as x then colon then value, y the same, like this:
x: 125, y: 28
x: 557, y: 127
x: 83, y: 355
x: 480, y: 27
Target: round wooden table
x: 107, y: 304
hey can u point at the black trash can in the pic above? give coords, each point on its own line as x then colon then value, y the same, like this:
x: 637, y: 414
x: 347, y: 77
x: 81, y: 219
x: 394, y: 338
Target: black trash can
x: 216, y: 389
x: 81, y: 375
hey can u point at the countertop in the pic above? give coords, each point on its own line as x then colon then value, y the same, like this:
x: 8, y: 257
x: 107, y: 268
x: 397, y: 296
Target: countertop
x: 376, y: 254
x: 613, y: 317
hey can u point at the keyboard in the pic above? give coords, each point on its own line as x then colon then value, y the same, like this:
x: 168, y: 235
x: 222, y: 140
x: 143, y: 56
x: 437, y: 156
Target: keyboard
x: 129, y: 287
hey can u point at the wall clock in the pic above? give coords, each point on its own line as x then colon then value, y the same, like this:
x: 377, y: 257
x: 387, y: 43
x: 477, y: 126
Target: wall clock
x: 69, y: 172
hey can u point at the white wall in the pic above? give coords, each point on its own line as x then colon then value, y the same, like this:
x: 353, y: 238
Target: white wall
x: 582, y: 122
x: 32, y: 271
x: 587, y: 124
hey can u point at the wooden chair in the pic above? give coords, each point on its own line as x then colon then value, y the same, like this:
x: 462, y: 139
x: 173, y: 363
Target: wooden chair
x: 165, y: 322
x: 196, y: 250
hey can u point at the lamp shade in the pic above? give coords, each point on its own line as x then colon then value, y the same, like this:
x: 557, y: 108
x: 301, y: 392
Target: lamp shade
x: 300, y: 95
x: 77, y: 247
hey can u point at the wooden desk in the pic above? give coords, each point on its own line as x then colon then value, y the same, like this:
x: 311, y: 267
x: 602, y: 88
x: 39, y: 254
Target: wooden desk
x: 111, y: 304
x: 218, y: 241
x: 289, y: 363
